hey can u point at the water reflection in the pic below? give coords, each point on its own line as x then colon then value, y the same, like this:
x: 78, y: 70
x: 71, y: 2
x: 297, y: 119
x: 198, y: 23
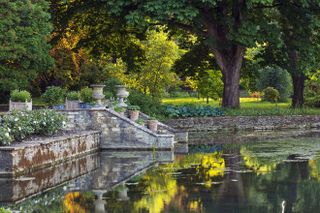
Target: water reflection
x: 272, y: 176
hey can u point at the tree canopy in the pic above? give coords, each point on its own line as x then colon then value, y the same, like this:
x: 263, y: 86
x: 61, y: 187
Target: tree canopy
x: 24, y: 31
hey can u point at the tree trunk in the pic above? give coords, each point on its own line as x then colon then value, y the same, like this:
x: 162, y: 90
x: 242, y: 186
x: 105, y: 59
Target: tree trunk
x: 298, y: 78
x: 230, y: 65
x: 298, y: 90
x: 231, y: 92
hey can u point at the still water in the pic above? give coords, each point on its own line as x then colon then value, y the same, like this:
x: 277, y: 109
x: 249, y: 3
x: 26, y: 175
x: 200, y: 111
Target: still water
x: 278, y: 175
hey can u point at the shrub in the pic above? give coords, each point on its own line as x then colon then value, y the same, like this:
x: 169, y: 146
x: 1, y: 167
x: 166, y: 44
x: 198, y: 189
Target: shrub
x: 86, y: 95
x: 54, y: 95
x: 47, y: 122
x: 73, y: 96
x: 312, y: 94
x: 3, y: 210
x: 148, y: 104
x: 179, y: 94
x: 16, y: 126
x: 119, y: 109
x: 110, y: 87
x: 255, y: 94
x: 277, y: 78
x: 182, y: 111
x: 133, y: 108
x: 20, y: 96
x: 5, y: 136
x: 271, y: 94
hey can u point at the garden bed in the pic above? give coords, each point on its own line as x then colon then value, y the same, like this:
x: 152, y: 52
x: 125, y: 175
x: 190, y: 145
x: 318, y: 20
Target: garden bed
x: 39, y: 152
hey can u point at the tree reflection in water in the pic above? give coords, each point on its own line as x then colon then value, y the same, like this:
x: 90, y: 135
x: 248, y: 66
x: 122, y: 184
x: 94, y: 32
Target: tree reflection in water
x: 274, y: 176
x: 266, y: 177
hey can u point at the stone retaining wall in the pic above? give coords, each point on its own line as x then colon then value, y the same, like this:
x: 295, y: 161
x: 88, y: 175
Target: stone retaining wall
x: 14, y: 189
x: 244, y: 123
x: 27, y: 156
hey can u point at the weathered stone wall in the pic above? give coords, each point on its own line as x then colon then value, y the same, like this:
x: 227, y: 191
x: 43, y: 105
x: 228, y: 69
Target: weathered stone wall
x: 244, y: 123
x: 14, y: 189
x: 117, y: 132
x: 31, y: 155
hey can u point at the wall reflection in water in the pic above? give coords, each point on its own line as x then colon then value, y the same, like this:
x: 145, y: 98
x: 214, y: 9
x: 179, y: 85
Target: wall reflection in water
x: 272, y: 176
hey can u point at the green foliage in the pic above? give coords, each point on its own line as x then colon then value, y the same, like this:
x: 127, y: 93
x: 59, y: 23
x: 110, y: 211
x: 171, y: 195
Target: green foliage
x: 277, y: 78
x: 3, y: 210
x: 16, y: 126
x: 210, y: 84
x: 140, y: 121
x: 148, y: 104
x: 179, y: 94
x: 20, y: 95
x: 133, y: 108
x: 92, y: 73
x: 312, y: 93
x: 24, y: 27
x: 86, y: 95
x: 110, y: 89
x: 183, y: 111
x: 119, y: 109
x: 271, y: 94
x: 160, y: 54
x: 54, y: 95
x: 73, y: 96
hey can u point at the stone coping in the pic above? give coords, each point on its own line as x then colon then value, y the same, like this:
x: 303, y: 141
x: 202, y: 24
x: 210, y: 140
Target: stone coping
x: 46, y: 140
x: 261, y: 122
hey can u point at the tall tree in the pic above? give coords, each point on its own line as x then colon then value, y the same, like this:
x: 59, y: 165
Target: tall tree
x: 298, y: 45
x: 299, y: 22
x: 24, y: 31
x: 226, y: 27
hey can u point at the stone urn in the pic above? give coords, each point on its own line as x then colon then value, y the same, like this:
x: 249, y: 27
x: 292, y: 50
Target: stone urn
x: 152, y: 125
x: 122, y: 94
x: 98, y: 94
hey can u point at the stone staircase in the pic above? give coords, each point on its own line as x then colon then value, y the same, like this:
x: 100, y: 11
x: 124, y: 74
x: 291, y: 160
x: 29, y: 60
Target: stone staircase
x: 118, y: 132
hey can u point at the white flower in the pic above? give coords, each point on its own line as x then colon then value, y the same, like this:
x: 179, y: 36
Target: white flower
x: 16, y: 119
x: 7, y: 134
x: 9, y: 130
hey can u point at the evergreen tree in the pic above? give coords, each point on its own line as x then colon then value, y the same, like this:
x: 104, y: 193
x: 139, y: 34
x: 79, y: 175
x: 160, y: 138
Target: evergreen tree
x: 24, y: 30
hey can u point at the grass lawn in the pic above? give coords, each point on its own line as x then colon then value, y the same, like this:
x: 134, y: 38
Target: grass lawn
x: 249, y: 107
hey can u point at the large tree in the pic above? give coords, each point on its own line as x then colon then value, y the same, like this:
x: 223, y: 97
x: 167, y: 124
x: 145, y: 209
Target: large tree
x: 226, y: 27
x: 299, y: 24
x: 24, y: 31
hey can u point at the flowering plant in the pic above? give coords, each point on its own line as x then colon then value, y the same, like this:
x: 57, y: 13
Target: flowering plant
x: 16, y: 126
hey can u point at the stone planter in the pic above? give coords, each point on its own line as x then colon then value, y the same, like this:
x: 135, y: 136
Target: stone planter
x: 122, y: 94
x: 134, y: 115
x: 152, y: 125
x: 20, y: 106
x: 72, y: 105
x: 98, y: 94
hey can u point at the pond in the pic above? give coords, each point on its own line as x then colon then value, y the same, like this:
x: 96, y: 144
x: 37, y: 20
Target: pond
x: 277, y: 175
